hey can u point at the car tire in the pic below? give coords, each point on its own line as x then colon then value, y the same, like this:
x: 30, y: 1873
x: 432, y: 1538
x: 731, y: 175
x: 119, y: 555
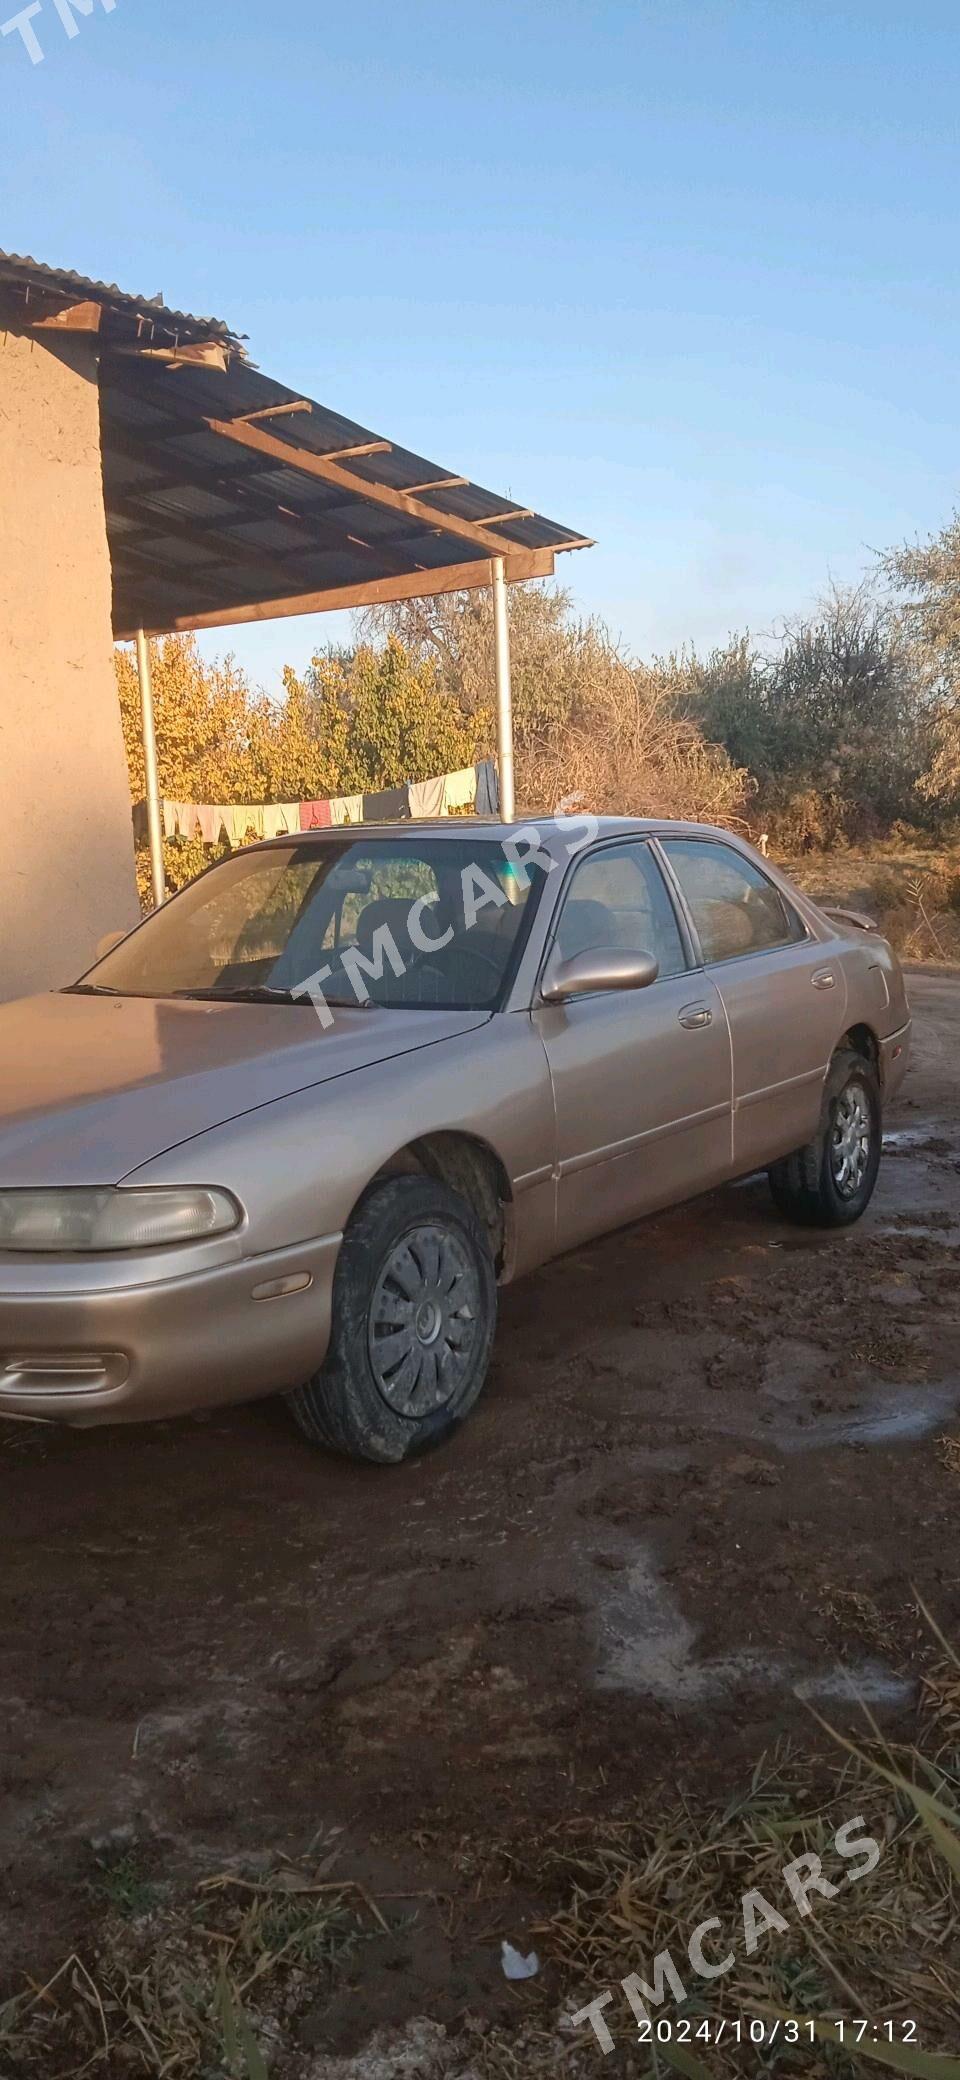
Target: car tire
x: 830, y: 1183
x: 414, y: 1315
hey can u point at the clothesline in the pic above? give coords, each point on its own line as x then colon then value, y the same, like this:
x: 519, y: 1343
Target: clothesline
x: 474, y: 788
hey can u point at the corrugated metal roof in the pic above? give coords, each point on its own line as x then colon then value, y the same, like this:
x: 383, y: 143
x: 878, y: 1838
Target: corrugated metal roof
x: 21, y: 269
x: 265, y: 529
x: 213, y: 520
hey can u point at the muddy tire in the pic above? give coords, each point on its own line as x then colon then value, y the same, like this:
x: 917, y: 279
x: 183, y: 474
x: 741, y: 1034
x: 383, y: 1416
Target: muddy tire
x: 830, y: 1183
x: 414, y: 1314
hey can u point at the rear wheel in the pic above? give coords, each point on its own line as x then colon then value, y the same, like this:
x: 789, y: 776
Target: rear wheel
x: 830, y: 1183
x: 414, y: 1313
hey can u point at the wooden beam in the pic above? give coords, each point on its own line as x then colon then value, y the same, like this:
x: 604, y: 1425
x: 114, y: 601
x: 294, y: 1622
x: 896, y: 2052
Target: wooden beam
x: 436, y: 484
x: 260, y: 443
x: 359, y: 448
x: 204, y: 353
x: 499, y: 519
x: 75, y: 317
x: 455, y: 577
x: 273, y: 411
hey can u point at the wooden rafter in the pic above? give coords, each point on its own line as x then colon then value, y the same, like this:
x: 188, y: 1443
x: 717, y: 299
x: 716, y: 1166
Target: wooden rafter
x: 458, y: 577
x: 72, y: 317
x: 329, y: 472
x: 436, y: 484
x: 512, y: 513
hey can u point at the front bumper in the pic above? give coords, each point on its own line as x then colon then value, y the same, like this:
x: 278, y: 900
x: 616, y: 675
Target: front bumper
x: 120, y: 1352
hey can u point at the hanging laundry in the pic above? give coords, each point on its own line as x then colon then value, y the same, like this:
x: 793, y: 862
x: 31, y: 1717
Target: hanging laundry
x: 488, y: 788
x: 174, y: 815
x: 242, y: 821
x: 390, y: 805
x: 460, y: 789
x: 426, y: 797
x: 315, y: 816
x: 346, y: 808
x: 280, y: 818
x: 210, y: 820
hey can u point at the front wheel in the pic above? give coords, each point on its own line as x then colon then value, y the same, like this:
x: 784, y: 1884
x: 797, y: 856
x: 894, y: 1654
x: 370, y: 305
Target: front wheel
x: 414, y: 1314
x: 830, y: 1183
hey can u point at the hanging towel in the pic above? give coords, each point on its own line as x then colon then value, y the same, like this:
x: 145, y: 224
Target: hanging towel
x: 315, y: 816
x: 280, y: 818
x: 346, y: 808
x: 426, y: 797
x: 391, y: 805
x: 460, y: 789
x: 488, y: 788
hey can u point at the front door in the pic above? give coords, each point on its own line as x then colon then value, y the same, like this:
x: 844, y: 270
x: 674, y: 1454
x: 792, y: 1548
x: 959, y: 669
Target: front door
x: 641, y: 1080
x: 783, y: 993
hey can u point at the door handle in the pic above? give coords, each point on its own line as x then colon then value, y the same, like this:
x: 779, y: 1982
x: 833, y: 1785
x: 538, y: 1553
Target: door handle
x: 824, y: 979
x: 695, y: 1016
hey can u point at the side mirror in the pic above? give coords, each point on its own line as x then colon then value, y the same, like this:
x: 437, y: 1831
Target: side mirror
x: 107, y: 944
x: 603, y: 968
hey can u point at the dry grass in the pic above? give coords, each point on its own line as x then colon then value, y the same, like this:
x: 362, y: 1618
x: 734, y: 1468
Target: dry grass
x: 948, y: 1449
x: 169, y: 1991
x: 214, y: 1986
x: 912, y: 892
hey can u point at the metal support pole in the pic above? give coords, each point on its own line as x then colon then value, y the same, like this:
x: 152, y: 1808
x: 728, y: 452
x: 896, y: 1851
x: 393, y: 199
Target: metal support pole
x: 154, y: 813
x: 501, y: 644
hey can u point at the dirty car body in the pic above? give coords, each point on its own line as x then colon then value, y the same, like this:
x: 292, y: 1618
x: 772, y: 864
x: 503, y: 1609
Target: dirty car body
x: 214, y: 1166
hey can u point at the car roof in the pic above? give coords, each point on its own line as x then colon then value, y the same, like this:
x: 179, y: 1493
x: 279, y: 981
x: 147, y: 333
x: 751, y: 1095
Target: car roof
x: 456, y: 828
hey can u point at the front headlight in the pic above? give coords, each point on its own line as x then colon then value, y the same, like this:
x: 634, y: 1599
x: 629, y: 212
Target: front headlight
x: 116, y: 1218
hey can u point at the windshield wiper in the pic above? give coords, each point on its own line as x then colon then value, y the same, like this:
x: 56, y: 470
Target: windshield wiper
x: 251, y: 993
x: 90, y: 989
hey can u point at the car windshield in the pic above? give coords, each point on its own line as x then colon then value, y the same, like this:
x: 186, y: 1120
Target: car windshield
x: 422, y: 922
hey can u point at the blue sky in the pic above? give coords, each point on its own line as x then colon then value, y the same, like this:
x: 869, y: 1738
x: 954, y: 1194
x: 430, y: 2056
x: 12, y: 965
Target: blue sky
x: 682, y: 276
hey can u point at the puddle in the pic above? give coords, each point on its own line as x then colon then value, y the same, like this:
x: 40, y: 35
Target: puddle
x: 901, y: 1417
x: 648, y: 1647
x: 866, y: 1682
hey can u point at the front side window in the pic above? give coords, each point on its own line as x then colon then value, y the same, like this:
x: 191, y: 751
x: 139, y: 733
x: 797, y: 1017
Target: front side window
x: 618, y: 897
x: 403, y: 922
x: 735, y: 908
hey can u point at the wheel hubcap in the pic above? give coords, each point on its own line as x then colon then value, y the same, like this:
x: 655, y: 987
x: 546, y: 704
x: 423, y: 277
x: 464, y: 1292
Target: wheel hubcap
x: 851, y: 1140
x: 424, y: 1321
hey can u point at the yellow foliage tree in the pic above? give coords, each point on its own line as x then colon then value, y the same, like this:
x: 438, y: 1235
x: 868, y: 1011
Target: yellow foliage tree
x: 387, y: 718
x: 352, y: 724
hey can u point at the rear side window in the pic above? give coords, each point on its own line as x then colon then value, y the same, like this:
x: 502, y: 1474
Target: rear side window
x: 735, y: 908
x: 618, y: 897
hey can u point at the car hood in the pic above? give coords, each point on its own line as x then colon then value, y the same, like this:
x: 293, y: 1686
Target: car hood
x: 91, y: 1087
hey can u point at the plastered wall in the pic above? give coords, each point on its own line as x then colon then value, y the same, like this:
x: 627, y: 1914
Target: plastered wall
x: 66, y: 849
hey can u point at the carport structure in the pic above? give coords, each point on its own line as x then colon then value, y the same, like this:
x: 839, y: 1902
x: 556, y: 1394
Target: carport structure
x: 229, y: 498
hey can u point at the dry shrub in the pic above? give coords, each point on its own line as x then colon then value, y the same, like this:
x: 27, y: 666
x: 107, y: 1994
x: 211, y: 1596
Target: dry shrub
x: 625, y: 749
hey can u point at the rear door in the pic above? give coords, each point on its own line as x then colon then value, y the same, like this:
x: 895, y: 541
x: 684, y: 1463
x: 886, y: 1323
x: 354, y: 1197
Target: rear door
x: 642, y: 1079
x: 784, y: 994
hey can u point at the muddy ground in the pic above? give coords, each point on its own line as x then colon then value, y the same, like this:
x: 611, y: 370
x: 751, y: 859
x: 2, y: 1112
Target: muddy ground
x: 704, y: 1481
